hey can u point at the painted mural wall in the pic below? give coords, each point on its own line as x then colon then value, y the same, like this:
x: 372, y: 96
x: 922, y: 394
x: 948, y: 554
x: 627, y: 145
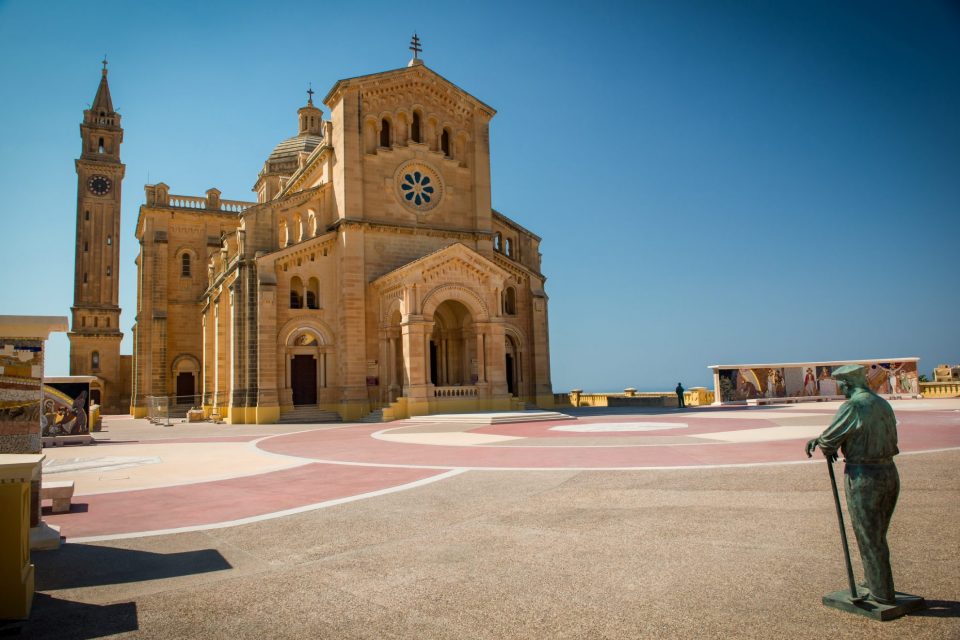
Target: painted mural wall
x: 21, y: 370
x: 812, y: 380
x: 66, y: 410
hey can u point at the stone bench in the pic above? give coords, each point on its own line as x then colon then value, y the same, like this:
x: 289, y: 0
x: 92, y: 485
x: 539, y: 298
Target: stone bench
x: 61, y: 492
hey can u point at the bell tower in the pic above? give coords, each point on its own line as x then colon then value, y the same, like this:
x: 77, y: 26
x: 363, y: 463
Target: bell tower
x: 95, y: 336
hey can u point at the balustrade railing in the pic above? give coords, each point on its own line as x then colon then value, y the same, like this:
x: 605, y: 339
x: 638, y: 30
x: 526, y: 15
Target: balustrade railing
x: 194, y: 202
x: 454, y: 392
x: 235, y: 205
x: 940, y: 389
x: 188, y: 202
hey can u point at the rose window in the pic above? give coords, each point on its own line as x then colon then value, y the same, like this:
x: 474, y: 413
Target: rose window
x: 418, y: 186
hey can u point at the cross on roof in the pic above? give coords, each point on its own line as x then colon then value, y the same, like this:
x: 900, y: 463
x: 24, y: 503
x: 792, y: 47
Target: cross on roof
x: 104, y: 61
x: 310, y: 94
x: 415, y: 45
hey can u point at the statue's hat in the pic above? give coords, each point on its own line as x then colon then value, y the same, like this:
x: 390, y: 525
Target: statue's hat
x: 853, y: 374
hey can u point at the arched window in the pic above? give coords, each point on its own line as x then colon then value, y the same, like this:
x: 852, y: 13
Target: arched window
x: 498, y: 242
x: 384, y: 133
x: 297, y: 228
x: 445, y: 142
x: 185, y: 265
x: 313, y: 294
x: 109, y: 241
x: 510, y: 301
x: 84, y: 278
x: 311, y: 223
x: 509, y: 248
x: 370, y: 136
x: 109, y: 272
x: 415, y: 127
x: 95, y: 360
x: 296, y: 293
x: 284, y: 236
x: 86, y: 215
x: 86, y: 246
x: 100, y: 146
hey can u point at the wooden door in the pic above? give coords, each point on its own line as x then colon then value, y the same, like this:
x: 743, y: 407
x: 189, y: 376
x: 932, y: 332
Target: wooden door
x: 303, y: 373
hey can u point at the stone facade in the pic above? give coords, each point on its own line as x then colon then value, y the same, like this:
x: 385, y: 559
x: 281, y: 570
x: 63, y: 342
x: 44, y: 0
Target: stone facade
x: 371, y: 273
x: 95, y: 336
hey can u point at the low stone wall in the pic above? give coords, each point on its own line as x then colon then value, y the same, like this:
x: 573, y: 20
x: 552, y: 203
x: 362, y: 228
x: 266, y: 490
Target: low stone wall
x: 697, y: 396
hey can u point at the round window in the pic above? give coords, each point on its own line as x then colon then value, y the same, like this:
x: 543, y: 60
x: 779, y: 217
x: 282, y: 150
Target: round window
x: 418, y: 186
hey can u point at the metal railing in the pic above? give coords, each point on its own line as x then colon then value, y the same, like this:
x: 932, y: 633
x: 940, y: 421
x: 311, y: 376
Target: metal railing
x: 160, y: 409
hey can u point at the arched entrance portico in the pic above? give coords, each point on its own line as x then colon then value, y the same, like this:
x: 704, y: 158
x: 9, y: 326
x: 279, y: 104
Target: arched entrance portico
x: 442, y: 335
x: 453, y: 346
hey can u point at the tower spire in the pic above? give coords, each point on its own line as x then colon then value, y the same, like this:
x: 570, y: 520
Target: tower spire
x: 102, y: 103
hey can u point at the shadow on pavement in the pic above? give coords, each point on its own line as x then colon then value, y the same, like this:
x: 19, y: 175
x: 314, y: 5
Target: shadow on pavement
x: 84, y: 565
x: 939, y: 609
x: 66, y: 620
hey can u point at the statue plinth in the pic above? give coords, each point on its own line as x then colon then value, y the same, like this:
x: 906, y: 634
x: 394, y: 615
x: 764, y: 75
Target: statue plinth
x: 905, y: 603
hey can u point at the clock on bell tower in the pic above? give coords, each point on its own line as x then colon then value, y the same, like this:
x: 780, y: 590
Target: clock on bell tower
x: 95, y: 336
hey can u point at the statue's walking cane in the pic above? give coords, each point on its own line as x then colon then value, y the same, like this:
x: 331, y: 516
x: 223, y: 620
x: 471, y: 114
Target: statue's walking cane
x: 854, y: 595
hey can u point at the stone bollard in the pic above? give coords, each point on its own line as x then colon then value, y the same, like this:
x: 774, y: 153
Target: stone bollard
x: 630, y: 392
x: 575, y: 397
x: 17, y: 472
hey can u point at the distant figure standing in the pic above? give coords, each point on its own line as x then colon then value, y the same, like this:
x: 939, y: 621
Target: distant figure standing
x: 680, y: 390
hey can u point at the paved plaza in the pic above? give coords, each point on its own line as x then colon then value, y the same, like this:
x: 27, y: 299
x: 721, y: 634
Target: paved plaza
x: 604, y: 523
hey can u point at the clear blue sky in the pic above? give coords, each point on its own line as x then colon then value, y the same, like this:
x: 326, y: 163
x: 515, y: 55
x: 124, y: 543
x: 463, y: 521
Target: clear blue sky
x: 714, y: 182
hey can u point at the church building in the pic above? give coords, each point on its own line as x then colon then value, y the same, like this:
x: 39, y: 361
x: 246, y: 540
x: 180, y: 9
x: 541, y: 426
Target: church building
x: 371, y: 278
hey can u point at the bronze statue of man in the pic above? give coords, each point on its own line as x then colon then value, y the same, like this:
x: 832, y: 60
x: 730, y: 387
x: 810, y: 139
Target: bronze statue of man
x: 865, y: 430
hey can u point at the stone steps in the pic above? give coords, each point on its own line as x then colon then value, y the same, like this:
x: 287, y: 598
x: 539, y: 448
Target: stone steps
x: 373, y: 417
x: 308, y: 415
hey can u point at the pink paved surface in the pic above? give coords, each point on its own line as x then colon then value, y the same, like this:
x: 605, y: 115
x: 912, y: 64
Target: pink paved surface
x: 917, y: 432
x: 208, y: 503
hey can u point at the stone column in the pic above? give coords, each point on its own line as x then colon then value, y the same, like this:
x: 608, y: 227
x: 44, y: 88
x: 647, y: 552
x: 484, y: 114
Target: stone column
x: 540, y: 352
x: 415, y: 336
x: 481, y: 359
x: 496, y: 364
x: 392, y: 362
x: 268, y: 397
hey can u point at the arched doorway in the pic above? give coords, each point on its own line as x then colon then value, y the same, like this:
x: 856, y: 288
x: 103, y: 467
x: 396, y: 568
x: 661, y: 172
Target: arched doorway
x: 511, y: 365
x: 303, y: 370
x: 452, y: 356
x: 305, y: 358
x: 186, y: 370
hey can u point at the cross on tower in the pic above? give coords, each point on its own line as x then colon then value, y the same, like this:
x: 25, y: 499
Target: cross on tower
x: 310, y: 94
x: 415, y: 45
x: 104, y: 61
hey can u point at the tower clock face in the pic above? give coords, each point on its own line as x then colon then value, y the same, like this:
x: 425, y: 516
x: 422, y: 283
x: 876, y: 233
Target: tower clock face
x: 99, y: 185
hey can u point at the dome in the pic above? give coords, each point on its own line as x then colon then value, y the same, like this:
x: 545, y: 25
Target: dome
x: 291, y: 147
